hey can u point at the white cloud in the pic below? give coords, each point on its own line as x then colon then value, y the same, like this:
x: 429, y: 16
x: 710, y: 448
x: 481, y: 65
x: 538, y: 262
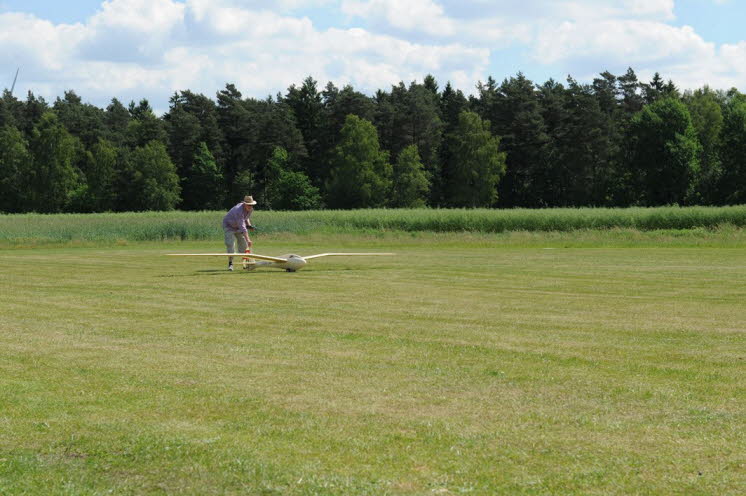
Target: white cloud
x: 150, y: 48
x: 142, y: 48
x: 647, y: 43
x: 132, y: 30
x: 498, y: 23
x: 145, y: 17
x: 724, y: 70
x: 236, y: 23
x: 734, y: 56
x: 594, y: 9
x: 414, y: 15
x: 663, y: 8
x: 38, y: 45
x: 533, y: 10
x: 275, y: 5
x: 619, y: 41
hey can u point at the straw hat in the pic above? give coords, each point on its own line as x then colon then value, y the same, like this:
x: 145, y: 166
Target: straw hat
x: 249, y: 200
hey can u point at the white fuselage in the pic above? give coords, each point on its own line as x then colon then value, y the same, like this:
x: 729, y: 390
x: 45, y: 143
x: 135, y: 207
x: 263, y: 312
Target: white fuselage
x: 294, y: 263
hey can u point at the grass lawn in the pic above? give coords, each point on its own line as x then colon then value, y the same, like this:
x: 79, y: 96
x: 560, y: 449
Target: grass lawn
x: 528, y: 364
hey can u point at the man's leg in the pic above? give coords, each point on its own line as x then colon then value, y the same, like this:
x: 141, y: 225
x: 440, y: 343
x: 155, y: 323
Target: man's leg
x: 248, y: 264
x: 230, y: 241
x: 241, y: 243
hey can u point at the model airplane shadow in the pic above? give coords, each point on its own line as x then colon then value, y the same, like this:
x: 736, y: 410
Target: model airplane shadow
x: 289, y: 263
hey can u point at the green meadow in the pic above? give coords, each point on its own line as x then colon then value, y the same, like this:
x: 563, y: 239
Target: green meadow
x: 504, y: 361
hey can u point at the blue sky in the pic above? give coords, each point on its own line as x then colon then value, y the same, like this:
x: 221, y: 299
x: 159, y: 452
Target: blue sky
x: 132, y: 49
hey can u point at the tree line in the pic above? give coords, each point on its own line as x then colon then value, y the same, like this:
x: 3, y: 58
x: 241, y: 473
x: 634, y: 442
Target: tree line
x: 614, y: 142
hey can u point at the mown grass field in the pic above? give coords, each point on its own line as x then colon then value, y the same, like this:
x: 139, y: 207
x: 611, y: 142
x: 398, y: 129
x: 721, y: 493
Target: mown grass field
x: 598, y: 362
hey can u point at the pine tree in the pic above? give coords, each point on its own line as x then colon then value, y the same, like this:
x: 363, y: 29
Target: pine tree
x: 85, y: 121
x: 116, y: 120
x: 516, y: 117
x: 31, y: 113
x: 308, y: 108
x: 411, y: 116
x: 629, y: 86
x: 551, y: 184
x: 235, y: 125
x: 452, y: 103
x: 144, y: 126
x: 588, y: 148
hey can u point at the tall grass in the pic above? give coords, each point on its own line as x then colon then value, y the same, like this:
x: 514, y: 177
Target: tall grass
x: 154, y: 226
x: 494, y: 221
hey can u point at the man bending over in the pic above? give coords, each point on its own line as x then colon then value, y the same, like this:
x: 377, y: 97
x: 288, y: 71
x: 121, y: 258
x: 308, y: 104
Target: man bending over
x: 236, y: 225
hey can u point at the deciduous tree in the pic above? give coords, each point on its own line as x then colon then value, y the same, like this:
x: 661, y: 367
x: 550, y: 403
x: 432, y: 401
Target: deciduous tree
x: 411, y: 182
x: 733, y: 151
x: 53, y: 177
x: 361, y: 173
x: 705, y: 109
x: 150, y: 180
x: 100, y: 172
x: 204, y: 187
x: 15, y: 163
x: 288, y: 189
x: 481, y: 164
x: 664, y: 152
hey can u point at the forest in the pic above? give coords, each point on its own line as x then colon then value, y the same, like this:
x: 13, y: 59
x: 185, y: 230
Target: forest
x: 615, y: 142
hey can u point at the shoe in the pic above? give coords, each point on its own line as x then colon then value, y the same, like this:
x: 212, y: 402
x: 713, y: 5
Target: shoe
x: 230, y: 267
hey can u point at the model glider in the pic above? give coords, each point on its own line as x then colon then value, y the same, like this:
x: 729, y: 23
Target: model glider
x: 290, y: 262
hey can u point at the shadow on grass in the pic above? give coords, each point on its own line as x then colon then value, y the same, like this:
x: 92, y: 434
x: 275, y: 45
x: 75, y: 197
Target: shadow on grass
x: 216, y: 272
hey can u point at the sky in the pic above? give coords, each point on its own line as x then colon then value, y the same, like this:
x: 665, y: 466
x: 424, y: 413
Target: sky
x: 134, y: 49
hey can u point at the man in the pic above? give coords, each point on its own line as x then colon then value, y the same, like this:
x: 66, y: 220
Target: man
x: 236, y: 225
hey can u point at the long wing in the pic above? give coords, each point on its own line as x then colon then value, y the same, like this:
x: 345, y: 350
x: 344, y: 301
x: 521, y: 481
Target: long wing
x: 340, y: 254
x: 248, y: 255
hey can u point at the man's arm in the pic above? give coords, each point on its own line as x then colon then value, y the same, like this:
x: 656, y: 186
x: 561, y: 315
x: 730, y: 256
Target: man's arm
x: 247, y: 226
x: 246, y: 233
